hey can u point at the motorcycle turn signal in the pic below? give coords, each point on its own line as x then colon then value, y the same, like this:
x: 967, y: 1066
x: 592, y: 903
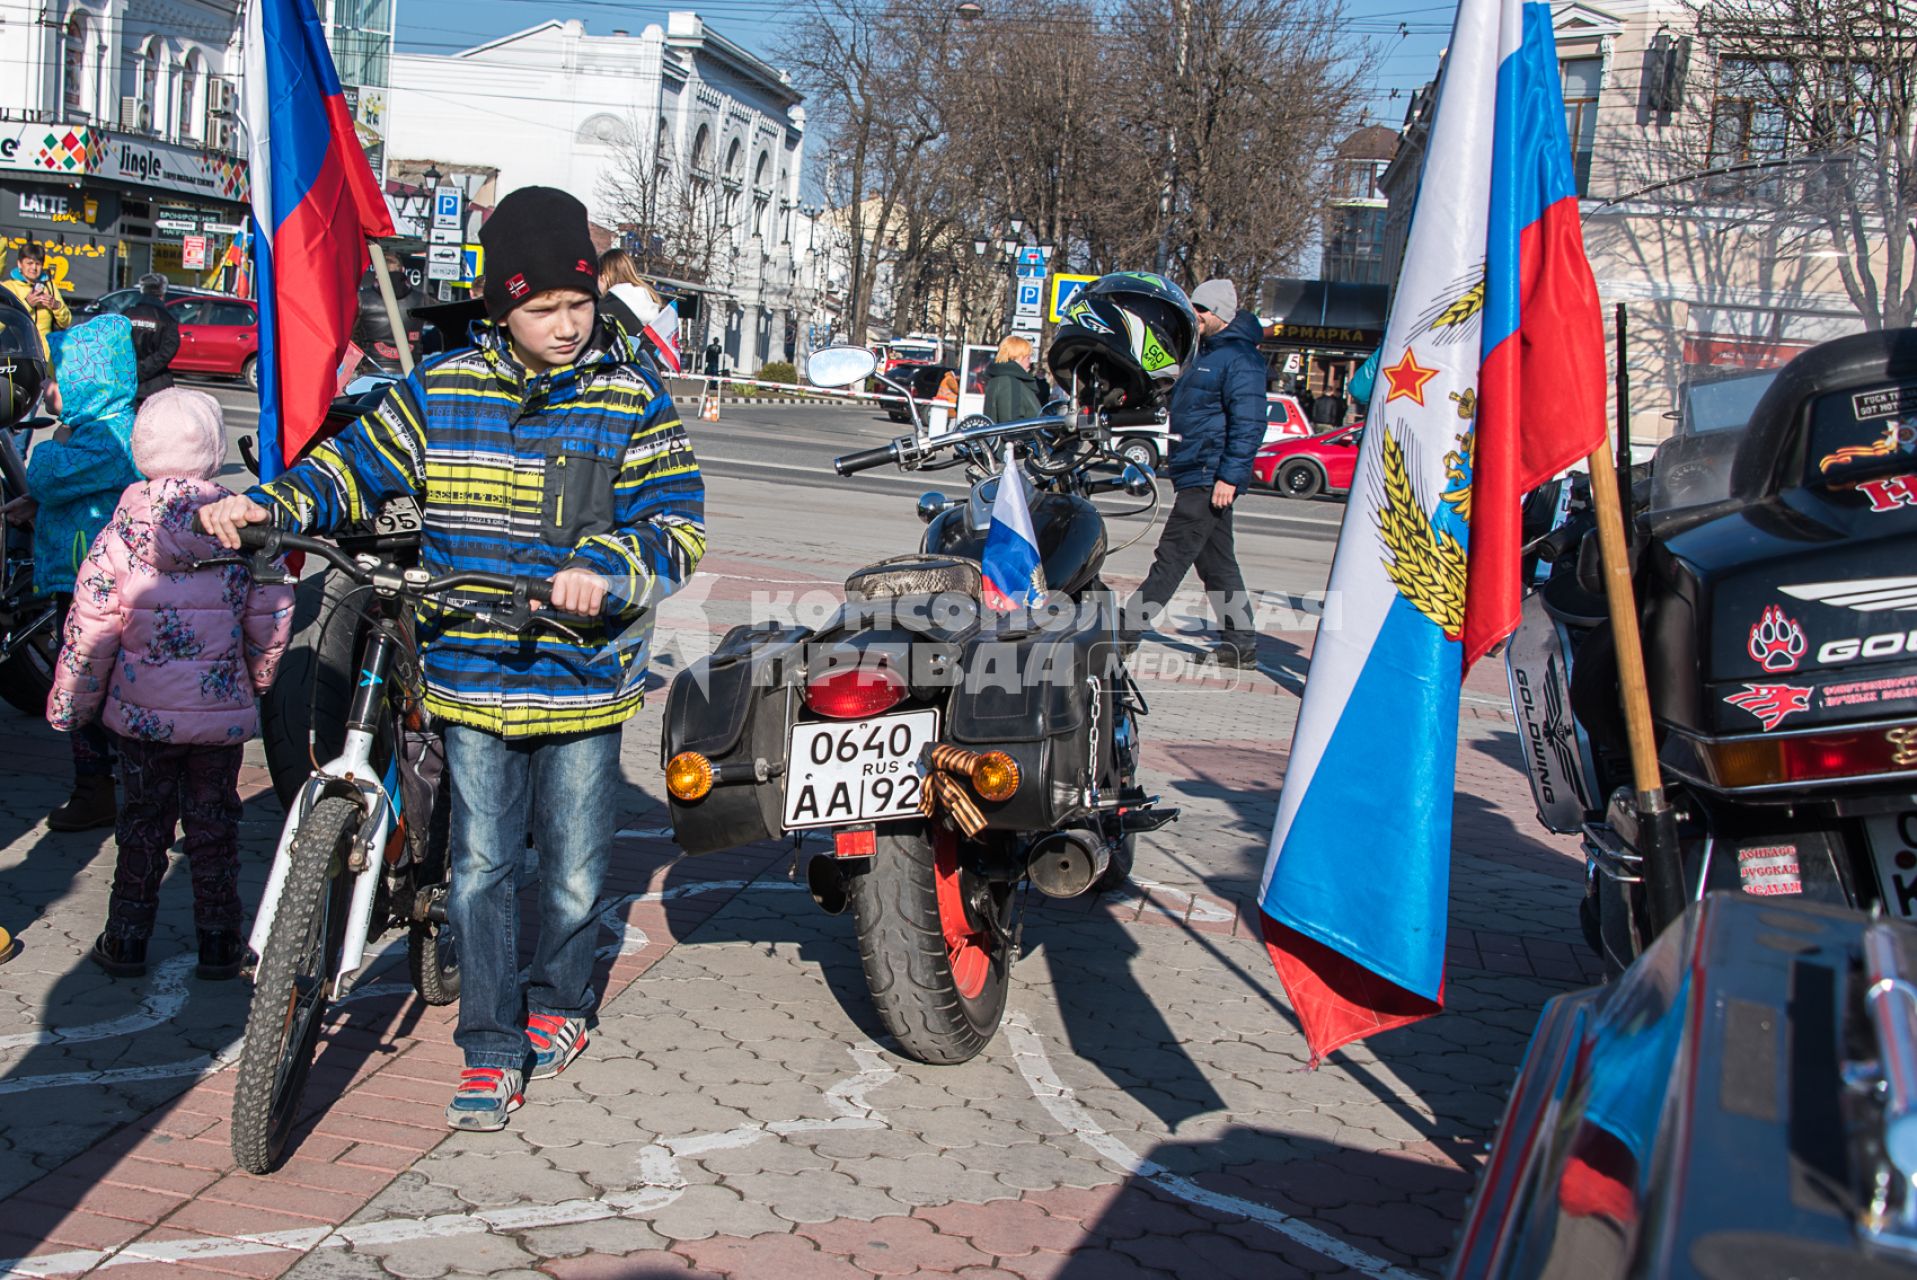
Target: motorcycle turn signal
x: 995, y: 776
x: 689, y: 776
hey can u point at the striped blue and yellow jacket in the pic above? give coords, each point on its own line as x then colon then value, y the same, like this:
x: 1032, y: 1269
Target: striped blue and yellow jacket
x: 586, y: 466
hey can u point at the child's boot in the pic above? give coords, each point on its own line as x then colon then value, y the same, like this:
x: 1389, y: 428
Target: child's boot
x: 222, y: 954
x: 90, y: 806
x: 120, y: 955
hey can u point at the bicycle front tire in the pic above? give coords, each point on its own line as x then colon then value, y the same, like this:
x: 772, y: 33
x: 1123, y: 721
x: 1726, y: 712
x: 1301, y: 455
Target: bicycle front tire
x: 290, y: 983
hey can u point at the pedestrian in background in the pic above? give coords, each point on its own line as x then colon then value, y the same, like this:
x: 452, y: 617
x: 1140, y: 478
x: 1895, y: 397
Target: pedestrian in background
x: 75, y: 479
x: 630, y: 301
x: 1011, y: 392
x: 156, y: 336
x: 30, y: 283
x: 204, y: 642
x: 1217, y: 423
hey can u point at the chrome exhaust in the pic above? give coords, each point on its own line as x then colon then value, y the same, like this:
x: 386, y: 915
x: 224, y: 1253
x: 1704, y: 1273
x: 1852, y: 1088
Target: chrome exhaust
x: 1065, y: 864
x: 826, y: 883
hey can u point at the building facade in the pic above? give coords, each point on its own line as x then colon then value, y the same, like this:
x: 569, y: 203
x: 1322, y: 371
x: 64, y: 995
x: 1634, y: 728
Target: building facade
x: 684, y: 145
x: 1717, y: 272
x: 1355, y: 214
x: 118, y: 151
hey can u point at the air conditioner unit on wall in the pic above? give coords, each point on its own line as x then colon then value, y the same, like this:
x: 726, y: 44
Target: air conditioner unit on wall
x: 219, y: 95
x: 135, y: 115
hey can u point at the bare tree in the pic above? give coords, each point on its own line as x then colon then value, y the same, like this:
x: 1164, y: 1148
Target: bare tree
x: 1814, y: 122
x: 666, y: 207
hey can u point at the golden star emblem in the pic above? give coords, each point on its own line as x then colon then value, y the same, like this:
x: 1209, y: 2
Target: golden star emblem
x: 1407, y: 378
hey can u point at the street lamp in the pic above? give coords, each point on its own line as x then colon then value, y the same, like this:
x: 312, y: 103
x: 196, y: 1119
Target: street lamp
x: 969, y: 9
x: 432, y: 177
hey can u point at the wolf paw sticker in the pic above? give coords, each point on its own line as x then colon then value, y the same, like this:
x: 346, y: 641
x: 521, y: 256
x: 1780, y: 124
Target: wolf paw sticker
x: 1777, y: 643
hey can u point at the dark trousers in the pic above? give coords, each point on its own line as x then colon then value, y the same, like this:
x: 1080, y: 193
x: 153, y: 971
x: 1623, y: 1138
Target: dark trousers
x: 1197, y: 534
x: 164, y: 785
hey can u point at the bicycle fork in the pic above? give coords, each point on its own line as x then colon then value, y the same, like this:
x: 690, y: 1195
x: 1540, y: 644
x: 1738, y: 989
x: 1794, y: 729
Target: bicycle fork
x: 379, y: 798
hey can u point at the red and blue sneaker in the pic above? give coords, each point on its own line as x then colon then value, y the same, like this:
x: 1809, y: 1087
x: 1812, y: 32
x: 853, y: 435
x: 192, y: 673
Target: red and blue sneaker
x: 484, y: 1098
x: 555, y: 1041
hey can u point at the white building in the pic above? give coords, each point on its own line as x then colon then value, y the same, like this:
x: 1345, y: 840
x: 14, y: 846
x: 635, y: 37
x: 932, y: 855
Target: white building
x: 678, y: 140
x: 119, y: 151
x: 112, y: 154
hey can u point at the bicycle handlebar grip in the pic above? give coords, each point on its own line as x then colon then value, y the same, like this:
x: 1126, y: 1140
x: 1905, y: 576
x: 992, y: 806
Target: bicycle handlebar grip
x: 866, y: 459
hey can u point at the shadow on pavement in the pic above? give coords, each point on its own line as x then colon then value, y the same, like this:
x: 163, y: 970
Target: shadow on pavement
x: 1401, y: 1210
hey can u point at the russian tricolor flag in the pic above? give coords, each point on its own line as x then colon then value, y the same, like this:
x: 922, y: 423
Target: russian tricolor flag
x: 1014, y: 577
x: 315, y: 203
x: 1490, y: 381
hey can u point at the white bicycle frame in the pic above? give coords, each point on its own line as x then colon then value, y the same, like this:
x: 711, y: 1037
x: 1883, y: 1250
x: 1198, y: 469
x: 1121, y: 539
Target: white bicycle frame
x: 352, y: 768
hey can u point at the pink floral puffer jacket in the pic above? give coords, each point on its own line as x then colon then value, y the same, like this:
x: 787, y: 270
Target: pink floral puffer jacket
x: 176, y: 653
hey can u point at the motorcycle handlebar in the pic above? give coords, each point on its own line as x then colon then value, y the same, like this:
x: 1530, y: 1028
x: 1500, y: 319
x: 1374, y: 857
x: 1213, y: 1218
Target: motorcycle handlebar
x: 866, y: 459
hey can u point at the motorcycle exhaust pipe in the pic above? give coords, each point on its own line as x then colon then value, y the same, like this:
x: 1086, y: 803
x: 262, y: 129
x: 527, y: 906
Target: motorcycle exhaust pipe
x: 1065, y: 864
x: 826, y: 883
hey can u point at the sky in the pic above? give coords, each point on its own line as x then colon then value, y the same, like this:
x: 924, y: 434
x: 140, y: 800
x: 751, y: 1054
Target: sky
x: 1404, y: 59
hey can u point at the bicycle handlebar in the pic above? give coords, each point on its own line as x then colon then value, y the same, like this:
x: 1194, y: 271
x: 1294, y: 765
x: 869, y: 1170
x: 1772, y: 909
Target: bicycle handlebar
x: 273, y: 541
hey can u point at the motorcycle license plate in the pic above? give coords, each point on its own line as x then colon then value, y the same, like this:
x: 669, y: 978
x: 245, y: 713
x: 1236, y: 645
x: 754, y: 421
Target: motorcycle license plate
x: 856, y: 770
x: 1893, y: 847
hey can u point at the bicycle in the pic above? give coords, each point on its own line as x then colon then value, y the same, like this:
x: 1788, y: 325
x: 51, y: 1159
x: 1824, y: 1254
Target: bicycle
x: 350, y: 864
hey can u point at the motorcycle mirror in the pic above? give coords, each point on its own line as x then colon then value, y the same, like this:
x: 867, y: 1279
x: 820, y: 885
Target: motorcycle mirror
x: 1139, y: 479
x: 839, y: 366
x: 931, y: 503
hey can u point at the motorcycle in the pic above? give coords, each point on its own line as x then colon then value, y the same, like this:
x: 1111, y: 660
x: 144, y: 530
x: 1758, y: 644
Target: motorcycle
x: 951, y: 751
x: 1772, y: 571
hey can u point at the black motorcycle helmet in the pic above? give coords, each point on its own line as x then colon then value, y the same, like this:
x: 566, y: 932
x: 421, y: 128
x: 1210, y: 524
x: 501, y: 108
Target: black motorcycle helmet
x: 23, y: 361
x: 1124, y: 339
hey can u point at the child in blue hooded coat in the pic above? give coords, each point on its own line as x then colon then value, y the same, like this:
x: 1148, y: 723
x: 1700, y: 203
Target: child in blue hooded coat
x: 76, y: 478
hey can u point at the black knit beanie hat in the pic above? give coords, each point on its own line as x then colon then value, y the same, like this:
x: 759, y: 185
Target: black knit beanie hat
x: 537, y: 239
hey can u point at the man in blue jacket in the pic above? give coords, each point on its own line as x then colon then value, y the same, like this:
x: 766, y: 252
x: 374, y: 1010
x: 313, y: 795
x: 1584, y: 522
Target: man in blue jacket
x: 1218, y: 422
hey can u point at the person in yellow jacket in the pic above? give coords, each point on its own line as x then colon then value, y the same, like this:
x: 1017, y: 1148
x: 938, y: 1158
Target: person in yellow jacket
x: 30, y: 283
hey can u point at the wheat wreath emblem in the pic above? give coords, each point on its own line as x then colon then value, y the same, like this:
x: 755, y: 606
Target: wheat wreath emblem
x: 1425, y: 563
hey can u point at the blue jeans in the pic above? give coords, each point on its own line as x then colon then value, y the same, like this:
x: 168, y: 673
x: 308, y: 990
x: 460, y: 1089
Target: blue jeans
x: 564, y: 790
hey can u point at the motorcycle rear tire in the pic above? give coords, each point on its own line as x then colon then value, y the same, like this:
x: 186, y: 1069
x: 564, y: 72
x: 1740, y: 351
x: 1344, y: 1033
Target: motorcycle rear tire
x: 908, y: 966
x: 299, y: 958
x: 26, y: 679
x: 316, y: 652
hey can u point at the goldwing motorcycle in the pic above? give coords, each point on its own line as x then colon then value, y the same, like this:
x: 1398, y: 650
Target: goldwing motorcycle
x: 1772, y: 557
x: 952, y: 752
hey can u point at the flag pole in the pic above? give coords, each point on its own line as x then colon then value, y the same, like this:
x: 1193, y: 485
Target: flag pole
x: 391, y: 300
x: 1656, y: 838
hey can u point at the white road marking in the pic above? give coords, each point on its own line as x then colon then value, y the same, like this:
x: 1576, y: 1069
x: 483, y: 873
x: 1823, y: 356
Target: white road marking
x: 1062, y: 1105
x: 163, y: 1003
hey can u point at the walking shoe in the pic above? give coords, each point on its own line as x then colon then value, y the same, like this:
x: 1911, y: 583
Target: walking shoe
x: 485, y: 1097
x: 222, y: 954
x: 120, y: 956
x: 555, y: 1041
x: 1238, y: 653
x: 91, y: 805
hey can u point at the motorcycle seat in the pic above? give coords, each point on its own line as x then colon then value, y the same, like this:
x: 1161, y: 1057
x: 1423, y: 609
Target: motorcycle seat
x: 917, y: 574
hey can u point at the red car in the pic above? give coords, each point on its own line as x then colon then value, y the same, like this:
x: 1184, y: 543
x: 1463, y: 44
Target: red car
x: 218, y: 335
x: 1284, y: 418
x: 1305, y: 468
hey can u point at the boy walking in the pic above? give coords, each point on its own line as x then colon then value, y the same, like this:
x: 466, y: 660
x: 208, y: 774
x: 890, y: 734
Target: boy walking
x: 544, y: 452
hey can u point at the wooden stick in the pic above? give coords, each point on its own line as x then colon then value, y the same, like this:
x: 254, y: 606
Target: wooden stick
x: 391, y: 300
x: 1633, y: 686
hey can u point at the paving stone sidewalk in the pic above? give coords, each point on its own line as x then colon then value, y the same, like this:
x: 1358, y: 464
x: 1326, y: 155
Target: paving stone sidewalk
x: 1145, y: 1111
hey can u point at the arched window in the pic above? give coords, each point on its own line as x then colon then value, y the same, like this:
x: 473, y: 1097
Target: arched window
x: 762, y: 171
x: 149, y: 83
x: 702, y: 150
x: 192, y: 75
x: 735, y: 160
x: 73, y: 66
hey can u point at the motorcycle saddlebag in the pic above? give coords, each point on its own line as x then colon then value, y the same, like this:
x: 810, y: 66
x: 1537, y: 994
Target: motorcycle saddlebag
x: 735, y: 707
x: 1031, y: 694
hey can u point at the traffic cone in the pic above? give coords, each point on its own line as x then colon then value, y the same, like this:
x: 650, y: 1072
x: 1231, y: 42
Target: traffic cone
x: 710, y: 409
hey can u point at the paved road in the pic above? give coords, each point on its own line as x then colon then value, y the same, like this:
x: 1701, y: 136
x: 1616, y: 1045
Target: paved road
x: 1144, y: 1112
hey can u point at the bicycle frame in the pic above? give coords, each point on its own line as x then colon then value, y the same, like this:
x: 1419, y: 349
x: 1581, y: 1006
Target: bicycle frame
x: 350, y: 772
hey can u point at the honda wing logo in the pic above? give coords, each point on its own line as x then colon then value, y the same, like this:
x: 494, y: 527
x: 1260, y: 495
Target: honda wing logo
x: 1865, y: 595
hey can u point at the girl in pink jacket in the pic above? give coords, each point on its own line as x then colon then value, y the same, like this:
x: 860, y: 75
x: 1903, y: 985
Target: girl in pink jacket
x: 169, y: 657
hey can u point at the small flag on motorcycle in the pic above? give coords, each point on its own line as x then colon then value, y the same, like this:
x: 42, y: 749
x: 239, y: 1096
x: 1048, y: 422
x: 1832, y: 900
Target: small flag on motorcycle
x: 1014, y: 577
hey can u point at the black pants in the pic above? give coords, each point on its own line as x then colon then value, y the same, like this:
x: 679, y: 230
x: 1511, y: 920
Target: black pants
x: 1197, y: 534
x: 165, y: 784
x: 92, y: 744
